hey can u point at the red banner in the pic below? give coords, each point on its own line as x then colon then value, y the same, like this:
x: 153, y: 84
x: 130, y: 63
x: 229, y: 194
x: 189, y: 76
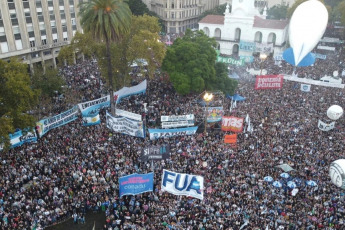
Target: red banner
x: 230, y: 139
x: 269, y: 82
x: 234, y: 124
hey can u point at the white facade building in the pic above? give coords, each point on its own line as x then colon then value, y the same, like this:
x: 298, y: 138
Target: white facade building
x: 244, y: 31
x: 35, y: 30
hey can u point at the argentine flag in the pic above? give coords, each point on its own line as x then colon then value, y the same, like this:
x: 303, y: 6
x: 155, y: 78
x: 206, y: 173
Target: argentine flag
x: 88, y: 121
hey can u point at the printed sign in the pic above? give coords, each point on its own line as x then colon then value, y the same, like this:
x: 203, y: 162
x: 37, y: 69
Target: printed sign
x: 324, y: 126
x: 123, y: 113
x: 161, y: 152
x: 176, y: 124
x: 214, y: 114
x: 231, y: 61
x: 247, y: 46
x: 230, y: 139
x: 234, y: 124
x: 125, y: 125
x: 136, y: 184
x: 173, y: 118
x: 183, y: 184
x: 43, y: 126
x: 88, y: 121
x: 166, y: 133
x: 305, y: 87
x: 269, y: 82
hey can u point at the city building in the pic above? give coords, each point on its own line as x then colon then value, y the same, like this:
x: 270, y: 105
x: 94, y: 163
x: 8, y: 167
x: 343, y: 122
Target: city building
x: 35, y: 30
x: 179, y: 15
x: 245, y: 32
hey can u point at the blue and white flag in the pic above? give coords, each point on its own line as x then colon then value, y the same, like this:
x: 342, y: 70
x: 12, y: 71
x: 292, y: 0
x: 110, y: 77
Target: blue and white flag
x: 125, y: 125
x: 160, y: 133
x: 183, y: 184
x: 136, y: 184
x: 91, y: 108
x: 88, y: 121
x: 43, y: 126
x: 305, y: 87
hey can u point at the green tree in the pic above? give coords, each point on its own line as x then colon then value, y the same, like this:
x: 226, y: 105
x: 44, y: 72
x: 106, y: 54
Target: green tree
x: 17, y: 98
x: 138, y: 7
x: 66, y: 56
x: 277, y: 12
x: 107, y: 21
x: 190, y: 63
x: 218, y: 10
x: 83, y: 43
x: 48, y: 81
x: 340, y: 9
x: 223, y: 82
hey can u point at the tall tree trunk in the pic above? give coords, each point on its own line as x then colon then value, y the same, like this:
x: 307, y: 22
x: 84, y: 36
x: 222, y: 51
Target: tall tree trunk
x: 110, y: 79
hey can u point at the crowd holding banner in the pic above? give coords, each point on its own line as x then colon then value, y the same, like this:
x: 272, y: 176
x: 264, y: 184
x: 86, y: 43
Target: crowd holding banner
x: 269, y: 82
x: 234, y: 124
x: 126, y: 126
x: 166, y: 133
x: 87, y: 121
x: 324, y: 126
x: 214, y: 114
x: 135, y: 184
x: 160, y: 152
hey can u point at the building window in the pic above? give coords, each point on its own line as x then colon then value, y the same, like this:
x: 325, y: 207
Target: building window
x: 35, y: 55
x: 4, y: 47
x: 15, y: 29
x: 48, y: 52
x: 65, y: 36
x: 55, y: 38
x: 2, y: 31
x: 71, y: 9
x: 52, y: 23
x: 32, y: 43
x: 44, y: 41
x: 19, y: 44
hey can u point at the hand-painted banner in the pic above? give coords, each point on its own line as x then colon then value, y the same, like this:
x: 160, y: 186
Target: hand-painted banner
x: 130, y: 115
x: 160, y: 152
x: 183, y: 184
x: 324, y: 126
x: 166, y: 133
x: 136, y: 184
x: 125, y: 126
x: 264, y: 47
x: 234, y: 124
x: 247, y: 46
x: 230, y: 139
x: 214, y: 114
x: 188, y: 117
x: 305, y: 87
x: 88, y: 121
x: 56, y: 121
x: 279, y: 57
x: 91, y: 108
x: 269, y: 82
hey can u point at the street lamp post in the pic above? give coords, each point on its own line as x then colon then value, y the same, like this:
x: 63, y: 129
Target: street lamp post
x: 262, y: 58
x: 207, y: 97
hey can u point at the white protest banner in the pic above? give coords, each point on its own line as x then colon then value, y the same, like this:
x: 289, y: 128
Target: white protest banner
x: 324, y: 126
x: 263, y: 47
x: 123, y: 113
x: 176, y: 124
x: 305, y: 87
x: 183, y: 184
x: 163, y: 133
x: 43, y: 126
x: 125, y: 126
x: 313, y: 82
x: 187, y: 117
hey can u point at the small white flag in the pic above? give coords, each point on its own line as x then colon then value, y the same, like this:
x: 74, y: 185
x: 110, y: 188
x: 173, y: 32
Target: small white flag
x: 305, y: 87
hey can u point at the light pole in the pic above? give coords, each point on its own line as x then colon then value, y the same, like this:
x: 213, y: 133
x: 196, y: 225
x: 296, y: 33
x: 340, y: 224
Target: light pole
x: 262, y: 58
x: 207, y: 97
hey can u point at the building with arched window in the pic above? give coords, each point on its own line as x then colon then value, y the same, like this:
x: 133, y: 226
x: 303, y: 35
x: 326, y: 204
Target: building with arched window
x: 246, y: 32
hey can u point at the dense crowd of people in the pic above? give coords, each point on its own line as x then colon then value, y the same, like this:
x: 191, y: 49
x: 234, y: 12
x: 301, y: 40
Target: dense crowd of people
x: 74, y: 169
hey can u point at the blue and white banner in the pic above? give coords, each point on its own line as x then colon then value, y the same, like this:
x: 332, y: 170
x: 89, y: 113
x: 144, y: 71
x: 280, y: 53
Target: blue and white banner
x: 248, y: 59
x: 279, y: 57
x: 88, y: 121
x: 56, y: 121
x: 183, y: 184
x: 18, y: 139
x: 130, y: 115
x: 125, y: 125
x: 247, y: 46
x: 136, y: 184
x: 319, y: 56
x: 162, y: 133
x: 91, y: 108
x: 305, y: 87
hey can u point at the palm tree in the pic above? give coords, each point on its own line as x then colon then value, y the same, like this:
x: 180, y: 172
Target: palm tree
x: 106, y: 21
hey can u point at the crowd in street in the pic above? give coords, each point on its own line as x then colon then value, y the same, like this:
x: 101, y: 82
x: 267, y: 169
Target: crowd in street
x: 74, y: 169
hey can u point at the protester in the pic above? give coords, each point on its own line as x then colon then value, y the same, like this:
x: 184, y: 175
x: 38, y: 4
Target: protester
x: 74, y: 169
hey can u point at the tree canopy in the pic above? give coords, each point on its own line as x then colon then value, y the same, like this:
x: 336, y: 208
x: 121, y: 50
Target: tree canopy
x: 218, y: 10
x: 17, y: 98
x: 277, y: 12
x: 191, y: 65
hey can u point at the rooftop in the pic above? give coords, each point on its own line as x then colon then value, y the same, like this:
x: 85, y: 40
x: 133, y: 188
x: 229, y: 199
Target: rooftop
x: 213, y: 19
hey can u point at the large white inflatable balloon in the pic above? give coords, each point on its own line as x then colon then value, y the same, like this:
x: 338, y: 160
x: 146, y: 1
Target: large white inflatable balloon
x: 337, y: 173
x: 334, y: 112
x: 307, y: 25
